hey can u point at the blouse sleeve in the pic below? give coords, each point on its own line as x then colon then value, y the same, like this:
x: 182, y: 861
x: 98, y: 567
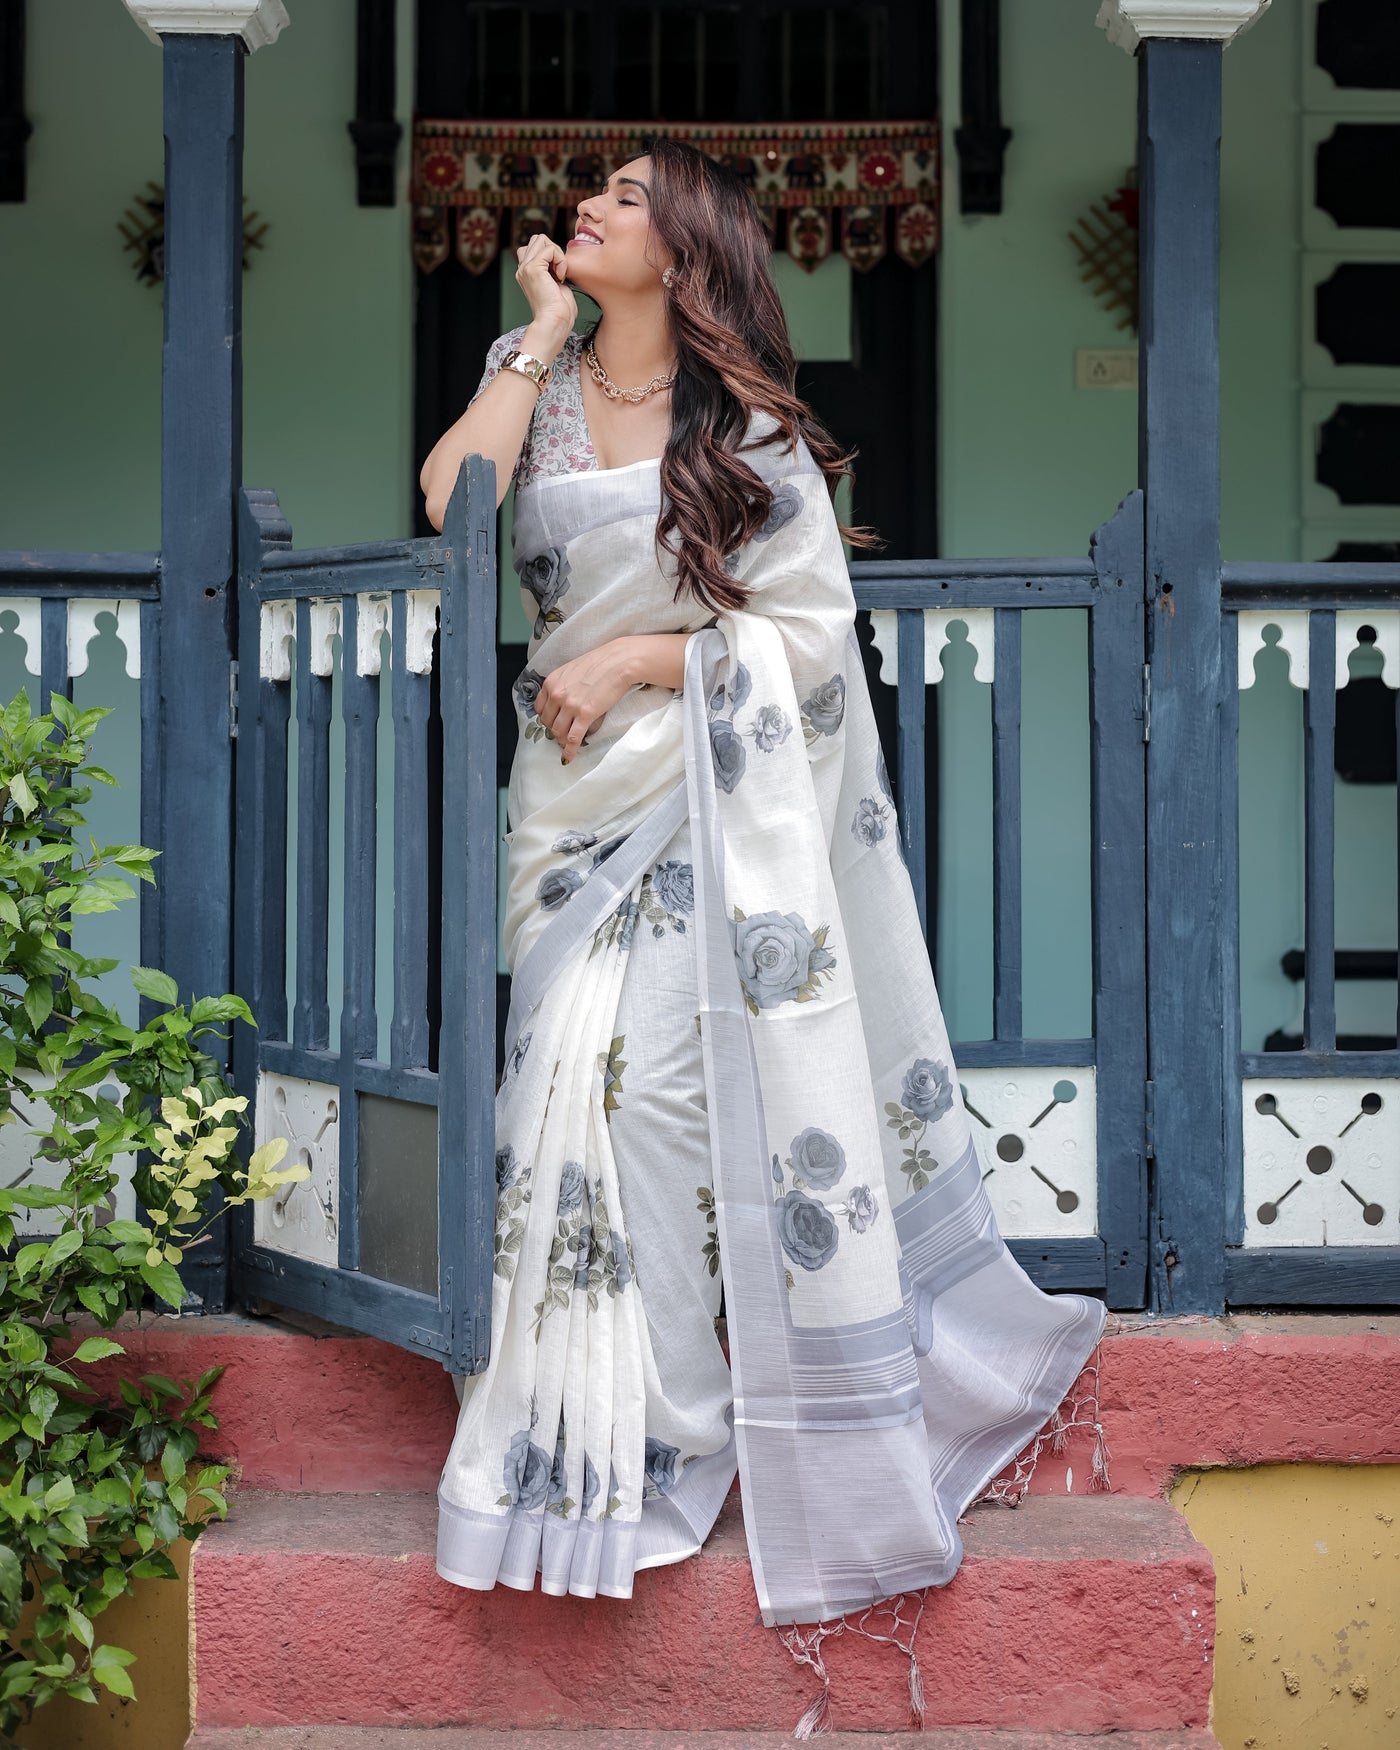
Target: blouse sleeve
x: 494, y: 357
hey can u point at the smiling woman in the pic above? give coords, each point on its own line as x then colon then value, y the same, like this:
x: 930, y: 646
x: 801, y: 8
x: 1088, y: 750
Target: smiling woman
x: 726, y: 1062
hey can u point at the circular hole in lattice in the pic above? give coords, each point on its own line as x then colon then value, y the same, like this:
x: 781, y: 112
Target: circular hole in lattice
x: 1371, y: 1104
x: 1067, y: 1202
x: 1266, y: 1104
x: 1010, y: 1148
x: 1319, y: 1159
x: 1267, y: 1212
x: 1365, y: 634
x: 1065, y: 1091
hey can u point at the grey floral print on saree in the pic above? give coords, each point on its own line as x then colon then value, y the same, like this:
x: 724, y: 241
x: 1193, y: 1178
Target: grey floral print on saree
x: 888, y: 1356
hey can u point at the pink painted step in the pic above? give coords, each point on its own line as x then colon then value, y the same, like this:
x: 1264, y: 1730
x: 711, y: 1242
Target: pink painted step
x: 335, y: 1412
x: 1068, y: 1614
x: 470, y: 1738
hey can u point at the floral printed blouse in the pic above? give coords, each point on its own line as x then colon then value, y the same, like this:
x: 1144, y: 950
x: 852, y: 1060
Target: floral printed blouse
x: 557, y: 440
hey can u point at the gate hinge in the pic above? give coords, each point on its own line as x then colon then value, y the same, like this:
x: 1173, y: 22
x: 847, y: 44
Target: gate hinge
x: 233, y: 699
x: 1149, y: 1118
x: 1147, y: 701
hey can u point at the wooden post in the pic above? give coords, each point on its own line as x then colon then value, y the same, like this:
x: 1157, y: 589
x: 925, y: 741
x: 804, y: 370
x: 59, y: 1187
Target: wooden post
x: 1179, y: 44
x: 188, y: 715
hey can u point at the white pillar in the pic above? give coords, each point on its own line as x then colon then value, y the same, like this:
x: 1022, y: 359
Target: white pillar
x: 1221, y: 21
x: 256, y: 22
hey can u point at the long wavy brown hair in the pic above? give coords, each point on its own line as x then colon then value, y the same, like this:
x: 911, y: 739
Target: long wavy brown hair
x: 733, y: 357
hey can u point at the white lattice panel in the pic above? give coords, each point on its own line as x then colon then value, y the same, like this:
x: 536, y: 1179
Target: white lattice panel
x: 1037, y: 1135
x: 1321, y: 1162
x: 979, y: 623
x: 303, y: 1218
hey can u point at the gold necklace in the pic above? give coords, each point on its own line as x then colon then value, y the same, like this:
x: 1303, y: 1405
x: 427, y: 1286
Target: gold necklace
x: 611, y: 389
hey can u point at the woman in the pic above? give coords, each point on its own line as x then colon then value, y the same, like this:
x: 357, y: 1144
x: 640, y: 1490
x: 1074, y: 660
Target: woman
x: 726, y: 1060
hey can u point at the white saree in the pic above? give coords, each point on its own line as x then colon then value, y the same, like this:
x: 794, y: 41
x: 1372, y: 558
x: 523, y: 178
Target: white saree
x: 708, y: 914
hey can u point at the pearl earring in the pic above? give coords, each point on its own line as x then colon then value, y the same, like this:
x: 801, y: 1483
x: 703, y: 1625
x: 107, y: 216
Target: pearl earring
x: 668, y: 276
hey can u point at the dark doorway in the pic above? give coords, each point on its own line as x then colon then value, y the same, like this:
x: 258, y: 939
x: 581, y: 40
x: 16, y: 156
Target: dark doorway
x: 761, y: 61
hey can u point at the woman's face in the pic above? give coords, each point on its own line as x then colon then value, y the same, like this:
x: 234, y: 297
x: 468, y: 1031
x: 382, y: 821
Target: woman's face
x: 619, y: 217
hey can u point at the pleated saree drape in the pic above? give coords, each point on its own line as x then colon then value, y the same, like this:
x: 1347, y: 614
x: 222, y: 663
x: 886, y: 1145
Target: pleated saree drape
x: 888, y: 1354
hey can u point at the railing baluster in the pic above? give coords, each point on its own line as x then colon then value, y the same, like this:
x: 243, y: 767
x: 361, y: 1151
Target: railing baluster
x: 311, y: 1016
x: 408, y: 1031
x: 1319, y: 755
x: 53, y: 651
x: 1006, y: 826
x: 359, y: 694
x: 274, y: 719
x: 913, y: 794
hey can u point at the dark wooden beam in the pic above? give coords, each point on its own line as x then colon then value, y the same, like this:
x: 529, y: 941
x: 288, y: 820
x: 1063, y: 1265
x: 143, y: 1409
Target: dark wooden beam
x: 375, y: 130
x: 187, y: 763
x: 1179, y: 471
x: 15, y: 125
x: 981, y: 139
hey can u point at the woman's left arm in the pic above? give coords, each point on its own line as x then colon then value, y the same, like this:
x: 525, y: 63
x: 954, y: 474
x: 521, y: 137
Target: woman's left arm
x: 575, y: 695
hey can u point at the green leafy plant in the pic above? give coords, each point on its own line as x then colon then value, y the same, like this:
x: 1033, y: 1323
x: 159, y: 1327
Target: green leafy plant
x: 94, y: 1491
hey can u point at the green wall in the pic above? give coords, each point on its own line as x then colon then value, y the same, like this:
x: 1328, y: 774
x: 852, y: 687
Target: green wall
x: 1028, y: 463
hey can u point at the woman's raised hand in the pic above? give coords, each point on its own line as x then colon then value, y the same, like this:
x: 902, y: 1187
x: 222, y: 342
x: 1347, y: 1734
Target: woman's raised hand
x: 541, y: 276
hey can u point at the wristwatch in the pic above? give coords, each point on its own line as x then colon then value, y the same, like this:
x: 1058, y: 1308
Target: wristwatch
x: 528, y: 366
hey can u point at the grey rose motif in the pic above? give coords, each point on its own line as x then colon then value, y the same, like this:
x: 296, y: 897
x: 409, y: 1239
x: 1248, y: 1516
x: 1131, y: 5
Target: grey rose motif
x: 927, y: 1091
x: 778, y: 955
x: 518, y: 1055
x: 882, y: 774
x: 868, y: 823
x: 526, y: 691
x: 527, y: 1472
x: 716, y: 701
x: 555, y: 887
x: 569, y: 843
x: 627, y: 921
x: 570, y: 1187
x: 546, y: 576
x: 806, y: 1230
x: 741, y: 686
x: 558, y: 1486
x: 728, y: 754
x: 771, y: 726
x: 590, y: 1484
x: 787, y: 502
x: 581, y: 1248
x: 673, y: 883
x: 601, y: 856
x: 660, y: 1464
x: 621, y: 1262
x: 825, y: 705
x: 508, y: 1169
x: 818, y: 1158
x: 861, y: 1208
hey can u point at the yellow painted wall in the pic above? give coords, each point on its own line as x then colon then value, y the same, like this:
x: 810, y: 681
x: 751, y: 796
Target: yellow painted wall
x: 153, y: 1623
x: 1307, y: 1596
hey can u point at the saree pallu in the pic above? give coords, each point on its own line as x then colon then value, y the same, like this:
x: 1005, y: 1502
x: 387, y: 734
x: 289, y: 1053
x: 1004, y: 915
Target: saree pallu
x: 887, y: 1354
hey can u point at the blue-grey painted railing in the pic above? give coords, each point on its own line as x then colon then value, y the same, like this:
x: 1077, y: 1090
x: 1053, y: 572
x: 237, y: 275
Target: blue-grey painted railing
x: 1108, y: 584
x: 460, y: 568
x: 1299, y: 1274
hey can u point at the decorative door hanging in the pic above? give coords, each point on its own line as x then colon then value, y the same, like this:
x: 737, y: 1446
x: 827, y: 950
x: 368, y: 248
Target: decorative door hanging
x: 810, y: 180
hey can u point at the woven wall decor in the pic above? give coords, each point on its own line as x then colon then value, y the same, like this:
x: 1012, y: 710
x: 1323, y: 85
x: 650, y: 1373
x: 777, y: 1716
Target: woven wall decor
x: 861, y: 187
x: 1106, y: 241
x: 144, y: 231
